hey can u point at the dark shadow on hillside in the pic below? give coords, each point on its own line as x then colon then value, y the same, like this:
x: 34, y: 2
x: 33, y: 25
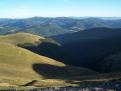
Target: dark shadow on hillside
x: 83, y: 49
x: 84, y: 53
x: 55, y: 72
x: 50, y: 71
x: 50, y: 50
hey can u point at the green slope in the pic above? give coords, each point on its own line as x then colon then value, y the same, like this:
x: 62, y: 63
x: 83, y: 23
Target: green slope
x: 16, y: 63
x: 21, y: 38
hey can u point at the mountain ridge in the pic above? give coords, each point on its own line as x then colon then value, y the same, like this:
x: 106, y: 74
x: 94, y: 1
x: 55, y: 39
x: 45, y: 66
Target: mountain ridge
x: 54, y: 26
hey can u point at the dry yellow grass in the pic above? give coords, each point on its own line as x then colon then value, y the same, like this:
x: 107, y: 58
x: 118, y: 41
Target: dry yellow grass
x: 16, y: 63
x: 21, y: 38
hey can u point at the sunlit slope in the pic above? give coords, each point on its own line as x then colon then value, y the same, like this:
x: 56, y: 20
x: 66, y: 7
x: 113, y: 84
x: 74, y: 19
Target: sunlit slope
x: 17, y: 62
x: 21, y: 38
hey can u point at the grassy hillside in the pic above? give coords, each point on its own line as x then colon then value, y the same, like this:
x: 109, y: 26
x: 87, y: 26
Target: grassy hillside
x: 21, y: 38
x: 13, y: 59
x: 19, y: 66
x: 18, y: 63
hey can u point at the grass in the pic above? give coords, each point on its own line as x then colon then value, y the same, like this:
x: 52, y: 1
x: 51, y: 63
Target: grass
x: 15, y: 61
x: 16, y: 64
x: 21, y: 38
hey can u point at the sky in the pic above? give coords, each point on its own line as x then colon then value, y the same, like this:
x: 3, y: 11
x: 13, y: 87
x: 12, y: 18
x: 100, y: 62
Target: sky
x: 59, y: 8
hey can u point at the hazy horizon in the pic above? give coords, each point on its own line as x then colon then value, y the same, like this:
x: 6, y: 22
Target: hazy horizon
x: 59, y: 8
x: 74, y: 17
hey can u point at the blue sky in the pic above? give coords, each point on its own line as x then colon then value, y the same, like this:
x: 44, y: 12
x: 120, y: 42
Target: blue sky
x: 58, y: 8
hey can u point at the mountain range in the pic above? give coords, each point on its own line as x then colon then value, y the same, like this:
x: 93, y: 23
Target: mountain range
x: 43, y: 52
x: 55, y: 26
